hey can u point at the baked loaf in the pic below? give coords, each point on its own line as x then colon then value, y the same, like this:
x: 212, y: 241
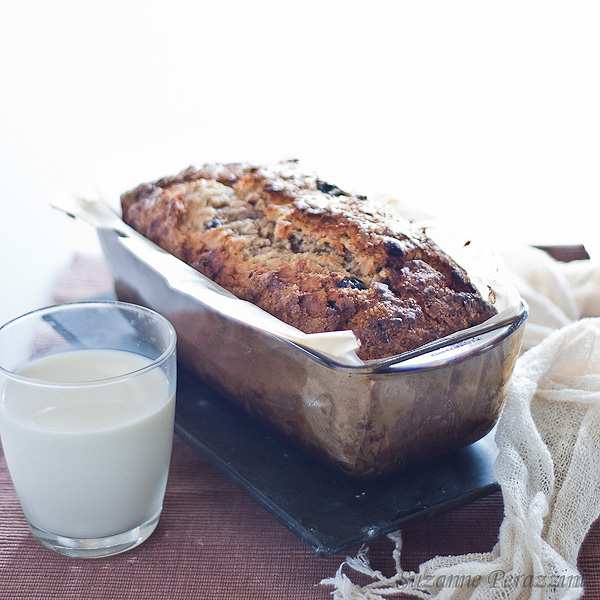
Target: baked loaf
x: 307, y: 252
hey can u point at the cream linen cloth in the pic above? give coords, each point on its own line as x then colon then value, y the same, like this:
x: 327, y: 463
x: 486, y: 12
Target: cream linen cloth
x: 548, y: 465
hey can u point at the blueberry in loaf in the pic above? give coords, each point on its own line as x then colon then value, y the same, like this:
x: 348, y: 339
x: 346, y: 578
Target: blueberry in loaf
x: 316, y: 257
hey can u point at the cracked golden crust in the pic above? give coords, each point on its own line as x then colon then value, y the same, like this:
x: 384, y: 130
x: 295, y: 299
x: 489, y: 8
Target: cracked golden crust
x: 307, y: 252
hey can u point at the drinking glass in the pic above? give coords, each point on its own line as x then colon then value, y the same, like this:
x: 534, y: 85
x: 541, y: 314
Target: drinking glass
x: 87, y: 402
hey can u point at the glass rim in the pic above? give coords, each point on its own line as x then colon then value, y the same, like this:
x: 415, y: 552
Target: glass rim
x: 172, y: 342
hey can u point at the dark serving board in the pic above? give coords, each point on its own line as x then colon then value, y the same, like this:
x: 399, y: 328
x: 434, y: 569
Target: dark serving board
x: 329, y: 511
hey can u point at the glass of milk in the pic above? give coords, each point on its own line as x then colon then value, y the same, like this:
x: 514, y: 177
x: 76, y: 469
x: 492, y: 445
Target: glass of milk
x: 87, y: 402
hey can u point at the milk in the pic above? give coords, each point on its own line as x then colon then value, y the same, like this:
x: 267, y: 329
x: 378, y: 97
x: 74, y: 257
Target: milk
x: 88, y: 460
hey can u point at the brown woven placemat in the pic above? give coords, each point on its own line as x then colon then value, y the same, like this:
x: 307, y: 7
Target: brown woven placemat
x: 214, y: 542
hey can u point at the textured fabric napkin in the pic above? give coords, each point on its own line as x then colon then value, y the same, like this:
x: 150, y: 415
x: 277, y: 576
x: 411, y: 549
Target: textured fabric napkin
x: 549, y: 456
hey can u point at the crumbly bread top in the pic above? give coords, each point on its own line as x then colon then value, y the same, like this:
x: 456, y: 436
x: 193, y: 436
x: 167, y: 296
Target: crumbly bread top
x: 311, y: 254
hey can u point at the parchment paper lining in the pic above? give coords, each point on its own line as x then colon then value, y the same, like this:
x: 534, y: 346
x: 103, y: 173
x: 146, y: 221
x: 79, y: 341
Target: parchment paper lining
x: 484, y: 268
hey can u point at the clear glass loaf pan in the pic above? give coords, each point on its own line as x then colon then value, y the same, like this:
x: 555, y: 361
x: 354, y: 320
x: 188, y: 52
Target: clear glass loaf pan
x: 364, y: 421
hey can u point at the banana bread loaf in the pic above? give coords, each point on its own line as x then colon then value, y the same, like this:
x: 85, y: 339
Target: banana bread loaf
x: 307, y: 252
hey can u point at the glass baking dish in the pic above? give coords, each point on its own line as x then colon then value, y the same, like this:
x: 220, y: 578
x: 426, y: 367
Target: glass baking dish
x: 365, y: 421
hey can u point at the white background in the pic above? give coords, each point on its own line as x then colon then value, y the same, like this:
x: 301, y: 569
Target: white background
x: 485, y: 111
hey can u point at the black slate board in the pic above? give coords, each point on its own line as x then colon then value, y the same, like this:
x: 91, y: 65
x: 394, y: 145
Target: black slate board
x: 327, y: 510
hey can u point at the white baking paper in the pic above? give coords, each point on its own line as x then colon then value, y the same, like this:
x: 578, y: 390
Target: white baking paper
x: 484, y: 267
